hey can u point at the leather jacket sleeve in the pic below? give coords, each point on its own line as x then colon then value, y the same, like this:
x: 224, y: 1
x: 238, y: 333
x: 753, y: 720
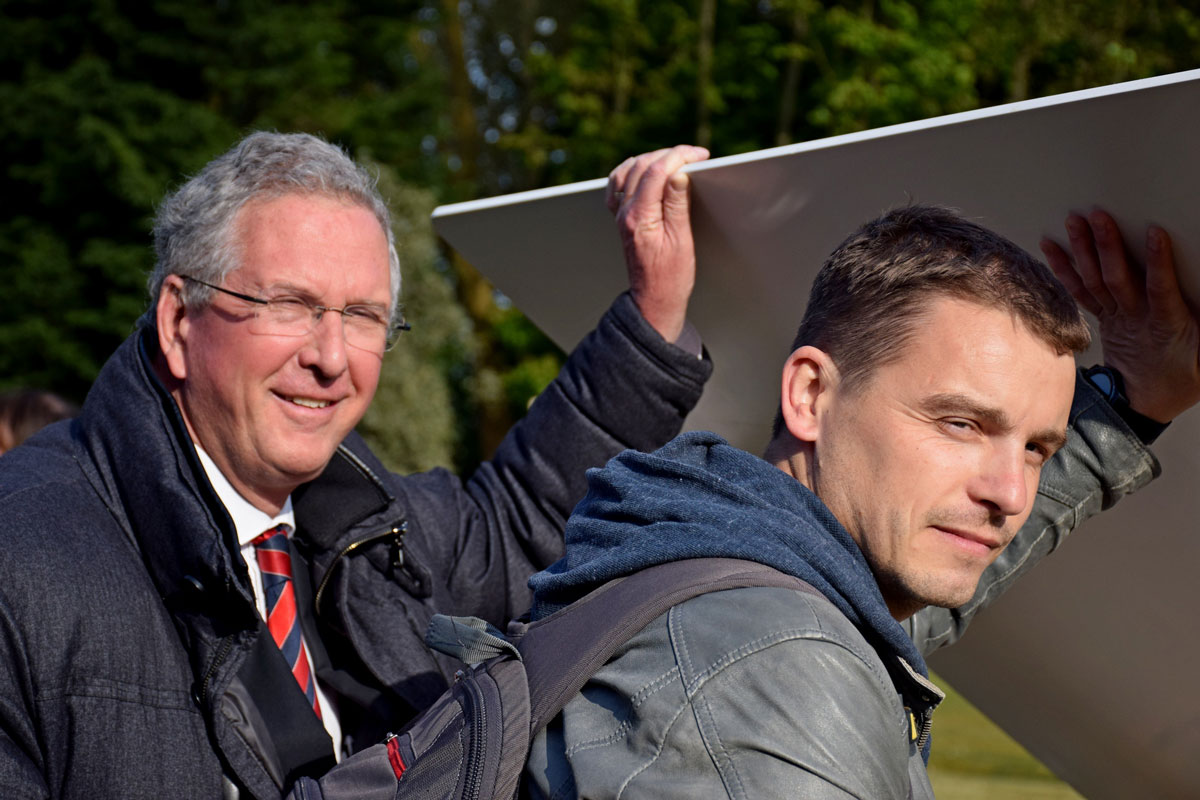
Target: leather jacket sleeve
x: 1102, y: 462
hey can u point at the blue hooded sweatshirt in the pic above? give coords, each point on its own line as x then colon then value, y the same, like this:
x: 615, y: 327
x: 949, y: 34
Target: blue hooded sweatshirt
x: 699, y: 497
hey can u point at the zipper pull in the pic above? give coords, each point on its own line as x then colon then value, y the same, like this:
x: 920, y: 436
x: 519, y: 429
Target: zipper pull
x: 398, y: 545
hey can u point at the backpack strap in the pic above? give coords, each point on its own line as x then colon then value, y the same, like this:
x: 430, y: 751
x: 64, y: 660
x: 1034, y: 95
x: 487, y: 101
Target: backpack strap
x: 564, y: 650
x: 469, y: 639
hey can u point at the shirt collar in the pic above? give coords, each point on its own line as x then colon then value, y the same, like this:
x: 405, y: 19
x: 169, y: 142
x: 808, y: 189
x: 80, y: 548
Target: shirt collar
x: 248, y: 520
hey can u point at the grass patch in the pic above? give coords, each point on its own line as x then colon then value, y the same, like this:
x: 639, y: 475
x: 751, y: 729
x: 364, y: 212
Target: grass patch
x: 973, y: 759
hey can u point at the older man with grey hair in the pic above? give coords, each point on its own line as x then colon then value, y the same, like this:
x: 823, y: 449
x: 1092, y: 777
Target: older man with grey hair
x: 209, y: 586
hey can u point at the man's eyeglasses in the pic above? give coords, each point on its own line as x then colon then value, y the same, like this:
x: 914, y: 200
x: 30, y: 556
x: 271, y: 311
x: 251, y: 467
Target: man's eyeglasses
x: 365, y: 327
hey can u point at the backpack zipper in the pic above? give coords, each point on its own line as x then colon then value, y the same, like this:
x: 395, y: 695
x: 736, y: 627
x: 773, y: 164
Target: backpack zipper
x: 474, y: 765
x: 392, y: 742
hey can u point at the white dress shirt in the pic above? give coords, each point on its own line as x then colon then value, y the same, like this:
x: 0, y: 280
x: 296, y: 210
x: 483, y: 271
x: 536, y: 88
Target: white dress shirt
x: 250, y: 522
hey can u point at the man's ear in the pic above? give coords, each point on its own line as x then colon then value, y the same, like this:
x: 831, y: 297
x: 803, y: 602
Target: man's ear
x: 173, y: 326
x: 808, y: 377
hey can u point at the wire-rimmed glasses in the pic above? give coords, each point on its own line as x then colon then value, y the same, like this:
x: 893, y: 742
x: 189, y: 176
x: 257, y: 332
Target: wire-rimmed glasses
x: 365, y: 327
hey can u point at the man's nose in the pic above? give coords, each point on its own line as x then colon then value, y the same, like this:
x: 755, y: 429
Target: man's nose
x: 325, y: 349
x: 1002, y: 483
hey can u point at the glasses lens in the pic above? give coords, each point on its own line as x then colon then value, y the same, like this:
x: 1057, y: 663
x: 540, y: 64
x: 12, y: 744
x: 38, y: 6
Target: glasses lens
x: 284, y: 316
x: 363, y: 327
x: 365, y: 330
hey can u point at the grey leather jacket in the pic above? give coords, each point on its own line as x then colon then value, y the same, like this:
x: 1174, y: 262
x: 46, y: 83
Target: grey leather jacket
x: 768, y: 692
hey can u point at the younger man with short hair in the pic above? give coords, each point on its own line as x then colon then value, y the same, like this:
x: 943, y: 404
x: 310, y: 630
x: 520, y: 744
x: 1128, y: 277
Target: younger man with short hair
x: 929, y: 389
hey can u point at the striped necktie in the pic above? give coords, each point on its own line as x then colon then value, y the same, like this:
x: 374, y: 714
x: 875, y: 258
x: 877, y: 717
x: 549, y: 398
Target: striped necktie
x: 275, y: 561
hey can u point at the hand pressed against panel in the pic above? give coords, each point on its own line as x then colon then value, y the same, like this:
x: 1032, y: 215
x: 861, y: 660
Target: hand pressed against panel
x: 1148, y: 332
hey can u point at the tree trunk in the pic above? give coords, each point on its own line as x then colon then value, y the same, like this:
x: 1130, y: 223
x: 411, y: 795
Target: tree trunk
x: 475, y: 293
x: 791, y: 78
x: 704, y: 68
x: 462, y: 109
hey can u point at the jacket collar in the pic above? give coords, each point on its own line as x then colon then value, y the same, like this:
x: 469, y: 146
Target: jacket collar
x: 139, y: 457
x: 697, y: 496
x: 144, y: 465
x: 151, y: 478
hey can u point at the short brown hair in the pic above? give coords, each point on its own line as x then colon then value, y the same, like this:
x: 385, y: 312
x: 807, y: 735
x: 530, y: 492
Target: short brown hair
x: 873, y: 289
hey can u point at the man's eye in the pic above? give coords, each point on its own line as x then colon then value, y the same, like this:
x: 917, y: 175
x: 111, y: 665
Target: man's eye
x: 364, y: 314
x: 289, y: 303
x: 1038, y: 452
x: 958, y: 425
x: 289, y: 309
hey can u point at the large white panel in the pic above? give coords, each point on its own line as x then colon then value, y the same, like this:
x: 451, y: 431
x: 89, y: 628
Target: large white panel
x: 1091, y: 662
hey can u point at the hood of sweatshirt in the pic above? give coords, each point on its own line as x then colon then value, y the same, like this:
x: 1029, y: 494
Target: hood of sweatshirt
x: 699, y: 497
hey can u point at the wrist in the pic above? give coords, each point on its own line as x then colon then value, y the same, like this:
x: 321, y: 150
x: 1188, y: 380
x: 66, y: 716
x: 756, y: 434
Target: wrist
x: 1111, y: 385
x: 666, y: 317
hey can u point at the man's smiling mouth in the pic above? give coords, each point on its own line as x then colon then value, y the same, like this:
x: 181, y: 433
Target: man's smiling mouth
x: 309, y: 402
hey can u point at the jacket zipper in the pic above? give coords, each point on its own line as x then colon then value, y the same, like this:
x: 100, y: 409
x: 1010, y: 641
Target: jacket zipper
x: 222, y: 654
x: 926, y: 729
x: 397, y: 531
x: 930, y: 695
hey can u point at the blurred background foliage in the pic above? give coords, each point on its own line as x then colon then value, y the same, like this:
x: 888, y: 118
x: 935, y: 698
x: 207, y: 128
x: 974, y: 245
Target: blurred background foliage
x: 110, y: 104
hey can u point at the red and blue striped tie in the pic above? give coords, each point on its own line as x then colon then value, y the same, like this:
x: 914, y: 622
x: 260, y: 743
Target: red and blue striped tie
x: 282, y: 620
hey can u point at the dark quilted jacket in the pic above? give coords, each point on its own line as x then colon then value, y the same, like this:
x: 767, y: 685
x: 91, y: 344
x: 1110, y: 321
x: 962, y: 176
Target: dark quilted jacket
x: 132, y: 660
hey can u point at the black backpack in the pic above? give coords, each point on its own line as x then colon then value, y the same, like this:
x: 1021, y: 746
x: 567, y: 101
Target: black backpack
x: 473, y: 742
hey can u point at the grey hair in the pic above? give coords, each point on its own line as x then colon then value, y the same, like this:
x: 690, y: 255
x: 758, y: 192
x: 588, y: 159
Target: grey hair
x: 194, y: 230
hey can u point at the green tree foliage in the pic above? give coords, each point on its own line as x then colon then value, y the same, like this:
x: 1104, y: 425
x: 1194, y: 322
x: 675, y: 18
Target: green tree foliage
x: 87, y: 151
x: 606, y: 78
x: 423, y: 386
x: 1030, y: 49
x: 110, y: 104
